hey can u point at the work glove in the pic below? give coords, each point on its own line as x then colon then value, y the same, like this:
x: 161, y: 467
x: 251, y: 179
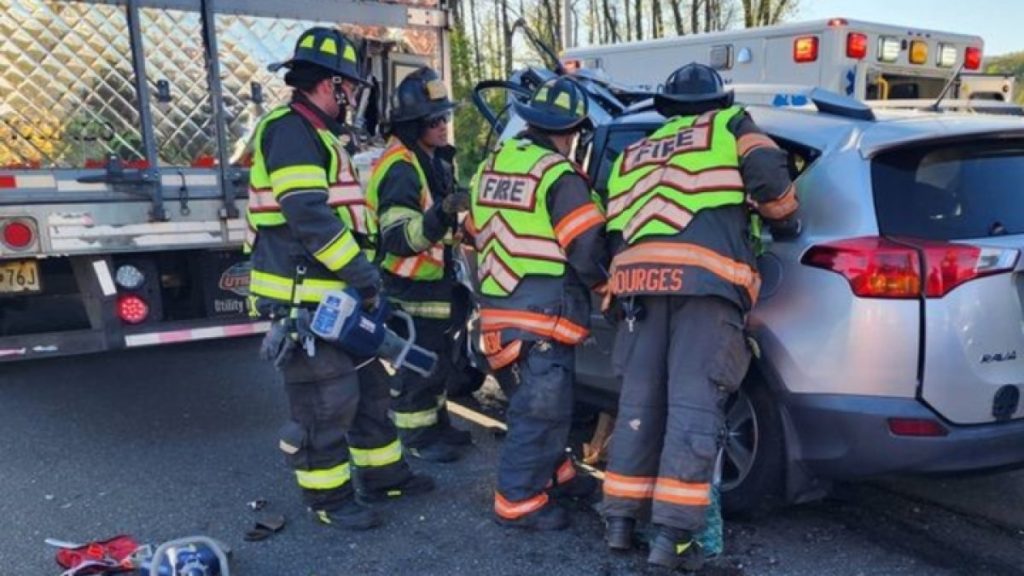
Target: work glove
x: 787, y: 230
x: 278, y: 345
x: 457, y: 201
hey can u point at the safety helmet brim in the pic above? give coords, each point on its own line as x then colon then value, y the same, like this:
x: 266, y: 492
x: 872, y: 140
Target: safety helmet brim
x: 550, y: 121
x: 673, y: 104
x: 289, y: 64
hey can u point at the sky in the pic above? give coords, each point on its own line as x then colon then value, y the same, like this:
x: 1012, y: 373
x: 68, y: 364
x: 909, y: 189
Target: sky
x: 998, y: 22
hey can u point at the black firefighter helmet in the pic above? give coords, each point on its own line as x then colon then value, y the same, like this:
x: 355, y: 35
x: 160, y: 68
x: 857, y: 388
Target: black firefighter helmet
x: 693, y: 89
x: 327, y: 48
x: 558, y: 106
x: 420, y: 95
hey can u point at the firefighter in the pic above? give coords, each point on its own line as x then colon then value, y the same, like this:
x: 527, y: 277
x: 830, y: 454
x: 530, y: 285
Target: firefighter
x: 539, y: 235
x: 309, y: 225
x: 682, y: 230
x: 414, y: 194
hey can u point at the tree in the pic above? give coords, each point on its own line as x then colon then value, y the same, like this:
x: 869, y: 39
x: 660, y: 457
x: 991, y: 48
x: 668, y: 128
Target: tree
x: 765, y: 12
x: 677, y: 16
x: 657, y: 20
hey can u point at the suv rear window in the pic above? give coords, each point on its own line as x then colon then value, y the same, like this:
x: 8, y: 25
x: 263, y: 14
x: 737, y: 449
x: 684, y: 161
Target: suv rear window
x: 617, y: 141
x: 951, y: 191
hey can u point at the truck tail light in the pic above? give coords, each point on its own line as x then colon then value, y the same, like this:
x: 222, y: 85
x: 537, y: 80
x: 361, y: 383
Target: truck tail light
x: 972, y: 58
x: 18, y: 234
x: 882, y: 268
x: 132, y: 309
x: 916, y: 427
x: 856, y: 45
x: 805, y: 49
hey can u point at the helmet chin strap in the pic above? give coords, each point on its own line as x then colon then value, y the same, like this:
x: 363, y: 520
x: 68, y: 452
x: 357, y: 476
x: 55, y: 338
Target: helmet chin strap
x: 342, y: 96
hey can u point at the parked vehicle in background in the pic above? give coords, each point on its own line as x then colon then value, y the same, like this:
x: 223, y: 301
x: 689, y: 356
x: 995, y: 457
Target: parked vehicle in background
x: 996, y: 87
x: 123, y: 172
x: 864, y: 60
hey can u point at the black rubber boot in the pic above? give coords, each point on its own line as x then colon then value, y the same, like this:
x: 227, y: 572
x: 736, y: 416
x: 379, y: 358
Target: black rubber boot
x: 437, y: 451
x: 349, y: 516
x: 582, y: 487
x: 454, y: 437
x: 676, y: 550
x: 548, y: 518
x: 411, y: 486
x: 618, y: 532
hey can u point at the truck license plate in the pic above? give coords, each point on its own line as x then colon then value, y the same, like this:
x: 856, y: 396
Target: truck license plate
x: 19, y: 276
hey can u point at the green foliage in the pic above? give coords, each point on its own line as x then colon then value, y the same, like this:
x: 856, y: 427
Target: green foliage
x: 471, y: 130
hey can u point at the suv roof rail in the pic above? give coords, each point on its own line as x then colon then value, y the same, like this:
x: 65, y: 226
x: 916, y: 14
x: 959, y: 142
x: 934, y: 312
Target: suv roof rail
x: 977, y: 106
x: 788, y: 96
x: 796, y: 96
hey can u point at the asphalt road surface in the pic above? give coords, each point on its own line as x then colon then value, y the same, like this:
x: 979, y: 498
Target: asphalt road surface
x: 171, y: 442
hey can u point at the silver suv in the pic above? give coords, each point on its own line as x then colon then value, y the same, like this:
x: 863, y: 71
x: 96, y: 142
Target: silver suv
x: 890, y: 336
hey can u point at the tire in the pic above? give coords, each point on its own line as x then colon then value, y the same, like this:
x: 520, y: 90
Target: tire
x: 753, y: 486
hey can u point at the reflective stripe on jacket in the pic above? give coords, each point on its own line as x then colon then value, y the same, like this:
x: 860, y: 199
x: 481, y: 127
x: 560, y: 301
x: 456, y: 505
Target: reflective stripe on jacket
x: 428, y: 263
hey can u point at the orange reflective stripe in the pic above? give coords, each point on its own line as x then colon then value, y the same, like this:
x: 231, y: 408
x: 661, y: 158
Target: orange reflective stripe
x: 577, y: 222
x: 781, y: 207
x: 566, y: 472
x: 568, y: 332
x: 470, y: 226
x: 559, y: 329
x: 514, y: 510
x: 679, y: 179
x: 635, y: 487
x: 408, y: 267
x: 749, y: 142
x: 691, y: 255
x: 496, y: 229
x: 505, y: 355
x: 396, y: 149
x: 658, y: 209
x: 683, y: 493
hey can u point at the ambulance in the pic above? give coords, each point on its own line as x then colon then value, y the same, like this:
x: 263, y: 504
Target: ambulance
x: 864, y: 60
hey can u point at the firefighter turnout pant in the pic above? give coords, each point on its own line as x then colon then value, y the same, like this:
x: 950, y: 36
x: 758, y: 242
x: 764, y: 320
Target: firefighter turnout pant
x: 679, y: 363
x: 533, y: 457
x: 418, y: 404
x: 339, y: 432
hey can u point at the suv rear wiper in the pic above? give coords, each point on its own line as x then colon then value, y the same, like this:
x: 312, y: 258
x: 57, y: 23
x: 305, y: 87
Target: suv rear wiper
x: 997, y: 229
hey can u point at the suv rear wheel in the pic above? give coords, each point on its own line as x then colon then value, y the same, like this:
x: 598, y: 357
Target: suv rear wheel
x: 752, y: 469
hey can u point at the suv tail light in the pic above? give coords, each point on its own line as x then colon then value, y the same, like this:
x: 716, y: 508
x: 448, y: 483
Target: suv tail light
x: 882, y: 268
x: 916, y: 427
